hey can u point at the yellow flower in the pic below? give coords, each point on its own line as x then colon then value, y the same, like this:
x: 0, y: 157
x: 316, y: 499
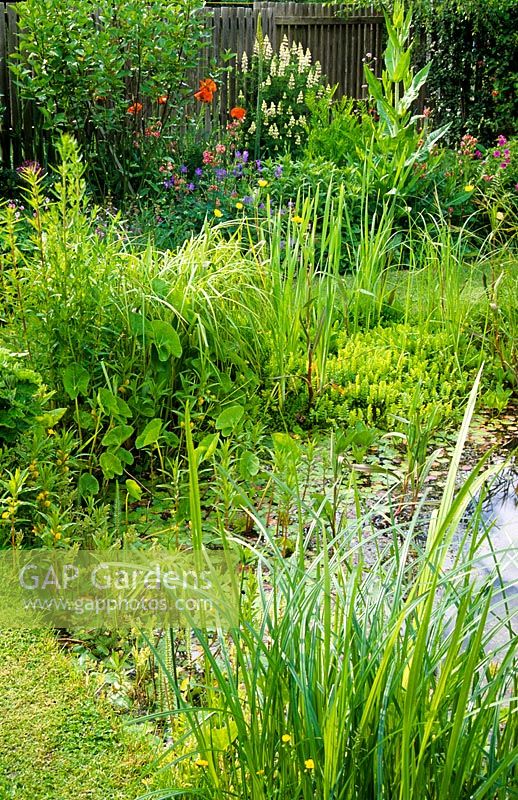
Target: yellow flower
x: 200, y: 762
x: 218, y: 213
x: 500, y: 215
x: 262, y: 183
x: 51, y: 432
x: 309, y: 763
x: 5, y: 515
x: 260, y: 772
x: 469, y: 187
x: 286, y: 738
x: 296, y: 219
x: 239, y: 206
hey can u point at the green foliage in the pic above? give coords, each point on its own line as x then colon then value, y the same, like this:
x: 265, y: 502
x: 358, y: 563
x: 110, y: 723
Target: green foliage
x: 340, y: 665
x: 23, y: 397
x: 108, y: 72
x: 473, y: 80
x: 379, y: 376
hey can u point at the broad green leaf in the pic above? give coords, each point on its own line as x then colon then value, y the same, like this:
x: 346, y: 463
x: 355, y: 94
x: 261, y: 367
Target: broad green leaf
x: 166, y: 340
x: 117, y: 435
x: 51, y: 418
x: 75, y: 380
x: 88, y: 485
x: 133, y: 489
x: 111, y: 465
x: 108, y: 402
x: 249, y: 465
x: 125, y: 456
x: 207, y: 447
x: 150, y: 435
x: 229, y: 418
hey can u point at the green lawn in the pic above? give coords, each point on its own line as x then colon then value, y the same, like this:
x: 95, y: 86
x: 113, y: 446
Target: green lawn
x: 56, y: 740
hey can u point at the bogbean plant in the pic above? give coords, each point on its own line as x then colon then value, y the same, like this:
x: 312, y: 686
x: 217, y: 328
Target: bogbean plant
x: 113, y: 74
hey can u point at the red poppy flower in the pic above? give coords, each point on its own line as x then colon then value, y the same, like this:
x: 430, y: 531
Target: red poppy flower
x: 206, y: 91
x: 204, y: 95
x: 238, y: 113
x: 162, y: 100
x: 136, y: 108
x: 209, y: 84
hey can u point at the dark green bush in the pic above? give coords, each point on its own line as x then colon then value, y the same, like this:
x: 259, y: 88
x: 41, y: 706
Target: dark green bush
x: 474, y: 75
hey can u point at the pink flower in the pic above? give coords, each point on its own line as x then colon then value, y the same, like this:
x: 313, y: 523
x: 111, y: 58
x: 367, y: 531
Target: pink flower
x: 501, y: 140
x: 208, y: 157
x: 497, y: 154
x: 220, y: 149
x: 504, y: 164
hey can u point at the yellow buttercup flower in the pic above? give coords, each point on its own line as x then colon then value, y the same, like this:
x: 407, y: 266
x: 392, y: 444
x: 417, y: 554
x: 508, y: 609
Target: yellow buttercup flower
x: 218, y: 213
x: 309, y: 763
x: 469, y: 187
x: 262, y: 183
x: 296, y: 219
x: 260, y: 772
x: 201, y: 762
x: 286, y: 738
x: 239, y: 206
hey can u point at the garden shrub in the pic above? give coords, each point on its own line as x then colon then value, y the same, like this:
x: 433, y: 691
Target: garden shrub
x: 474, y: 79
x: 111, y: 72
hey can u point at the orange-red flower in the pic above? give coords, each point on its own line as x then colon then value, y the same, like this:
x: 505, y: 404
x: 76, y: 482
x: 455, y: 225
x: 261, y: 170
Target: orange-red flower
x: 206, y: 91
x: 136, y: 108
x: 238, y: 113
x: 209, y: 84
x: 162, y: 100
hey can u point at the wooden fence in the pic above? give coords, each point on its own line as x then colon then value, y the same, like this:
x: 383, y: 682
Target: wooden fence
x: 338, y: 41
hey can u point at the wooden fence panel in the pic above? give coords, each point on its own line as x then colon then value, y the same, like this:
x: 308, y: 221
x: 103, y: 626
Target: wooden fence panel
x: 339, y: 42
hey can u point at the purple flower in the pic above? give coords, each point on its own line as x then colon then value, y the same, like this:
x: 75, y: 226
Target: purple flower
x: 501, y: 140
x: 191, y: 187
x: 258, y: 166
x: 248, y: 200
x: 478, y: 154
x: 278, y: 171
x: 497, y: 154
x: 168, y: 183
x: 183, y: 169
x: 198, y: 172
x: 504, y: 164
x: 221, y: 174
x: 237, y: 172
x: 245, y: 157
